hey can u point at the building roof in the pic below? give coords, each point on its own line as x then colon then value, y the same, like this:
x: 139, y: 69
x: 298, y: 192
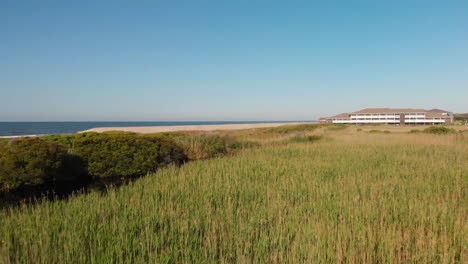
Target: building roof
x: 341, y: 116
x: 389, y: 110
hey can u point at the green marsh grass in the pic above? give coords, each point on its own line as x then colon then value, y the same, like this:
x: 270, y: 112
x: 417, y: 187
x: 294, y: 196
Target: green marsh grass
x: 356, y: 198
x: 305, y: 139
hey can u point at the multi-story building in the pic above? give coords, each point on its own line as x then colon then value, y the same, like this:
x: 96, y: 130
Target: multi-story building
x: 392, y: 116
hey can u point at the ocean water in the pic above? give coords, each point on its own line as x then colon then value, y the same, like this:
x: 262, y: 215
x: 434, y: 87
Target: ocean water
x: 15, y: 129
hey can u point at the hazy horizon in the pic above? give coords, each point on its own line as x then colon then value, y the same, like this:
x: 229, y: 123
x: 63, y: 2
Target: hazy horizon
x: 229, y: 61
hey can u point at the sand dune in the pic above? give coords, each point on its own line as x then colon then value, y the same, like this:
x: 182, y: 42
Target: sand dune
x: 156, y: 129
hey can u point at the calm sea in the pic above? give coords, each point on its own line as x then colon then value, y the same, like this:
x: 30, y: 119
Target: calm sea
x: 12, y: 129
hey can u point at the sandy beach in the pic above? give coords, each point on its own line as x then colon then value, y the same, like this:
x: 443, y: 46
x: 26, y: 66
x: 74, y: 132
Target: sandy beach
x: 156, y: 129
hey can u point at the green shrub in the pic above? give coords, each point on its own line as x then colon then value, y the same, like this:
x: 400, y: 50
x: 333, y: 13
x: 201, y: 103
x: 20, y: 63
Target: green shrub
x: 386, y: 132
x: 293, y: 128
x: 243, y: 144
x: 198, y: 147
x: 305, y: 139
x: 68, y: 140
x: 125, y: 155
x: 213, y: 146
x: 359, y: 129
x: 439, y: 130
x: 30, y: 162
x: 415, y: 131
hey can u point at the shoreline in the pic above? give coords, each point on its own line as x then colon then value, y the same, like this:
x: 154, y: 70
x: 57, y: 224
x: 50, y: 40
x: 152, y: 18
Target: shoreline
x: 159, y: 129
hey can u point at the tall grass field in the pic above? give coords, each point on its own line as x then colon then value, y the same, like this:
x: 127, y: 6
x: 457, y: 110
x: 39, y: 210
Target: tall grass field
x: 347, y: 197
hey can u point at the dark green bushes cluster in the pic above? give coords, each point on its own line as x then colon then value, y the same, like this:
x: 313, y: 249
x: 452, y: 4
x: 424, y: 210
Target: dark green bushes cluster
x: 305, y: 139
x: 30, y: 166
x: 29, y: 162
x: 439, y: 130
x: 69, y: 140
x: 125, y: 155
x: 72, y: 161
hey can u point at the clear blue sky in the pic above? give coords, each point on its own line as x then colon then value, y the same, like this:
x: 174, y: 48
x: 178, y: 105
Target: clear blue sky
x: 228, y: 60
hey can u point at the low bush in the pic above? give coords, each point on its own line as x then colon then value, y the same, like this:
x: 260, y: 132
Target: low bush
x: 439, y: 130
x: 125, y: 155
x: 305, y: 139
x: 34, y: 162
x: 415, y: 131
x: 68, y: 140
x: 243, y: 144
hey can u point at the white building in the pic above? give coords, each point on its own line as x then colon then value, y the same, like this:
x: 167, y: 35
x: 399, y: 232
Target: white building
x: 392, y: 116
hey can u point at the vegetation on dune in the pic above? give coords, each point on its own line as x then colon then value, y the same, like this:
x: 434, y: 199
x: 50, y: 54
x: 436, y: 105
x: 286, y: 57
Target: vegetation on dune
x: 334, y: 201
x: 199, y: 146
x: 62, y: 164
x: 292, y: 128
x: 29, y: 161
x: 243, y: 144
x: 65, y: 163
x: 304, y: 139
x: 31, y: 167
x: 120, y: 155
x: 376, y: 131
x: 357, y: 198
x: 335, y: 127
x: 439, y: 130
